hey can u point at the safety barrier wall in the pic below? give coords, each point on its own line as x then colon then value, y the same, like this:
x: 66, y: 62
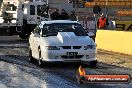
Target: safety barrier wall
x: 116, y: 41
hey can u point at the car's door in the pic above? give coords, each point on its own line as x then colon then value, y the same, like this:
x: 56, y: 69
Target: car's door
x: 35, y: 41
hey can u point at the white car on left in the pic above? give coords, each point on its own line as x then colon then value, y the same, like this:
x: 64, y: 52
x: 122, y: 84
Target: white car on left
x: 61, y: 41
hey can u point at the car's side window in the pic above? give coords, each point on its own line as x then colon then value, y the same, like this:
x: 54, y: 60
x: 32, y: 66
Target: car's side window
x: 45, y: 29
x: 48, y: 30
x: 37, y: 30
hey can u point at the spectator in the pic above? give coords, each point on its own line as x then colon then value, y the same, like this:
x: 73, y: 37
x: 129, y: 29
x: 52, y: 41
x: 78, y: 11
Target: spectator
x: 55, y: 15
x: 96, y: 9
x: 64, y: 15
x: 102, y: 22
x: 72, y: 16
x: 114, y: 23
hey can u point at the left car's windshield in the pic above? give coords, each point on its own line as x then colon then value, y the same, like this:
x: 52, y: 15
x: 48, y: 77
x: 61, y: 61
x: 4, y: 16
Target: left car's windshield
x: 53, y: 29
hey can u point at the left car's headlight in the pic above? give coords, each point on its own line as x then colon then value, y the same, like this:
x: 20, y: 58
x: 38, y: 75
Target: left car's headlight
x: 52, y: 48
x: 89, y: 47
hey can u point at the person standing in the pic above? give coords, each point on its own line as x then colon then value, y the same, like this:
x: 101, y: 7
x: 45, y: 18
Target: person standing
x: 72, y: 16
x: 96, y: 9
x: 64, y: 15
x: 102, y: 22
x: 55, y: 15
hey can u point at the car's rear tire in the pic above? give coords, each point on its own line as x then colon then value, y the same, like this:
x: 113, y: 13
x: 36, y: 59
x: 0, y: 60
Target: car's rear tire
x: 31, y: 59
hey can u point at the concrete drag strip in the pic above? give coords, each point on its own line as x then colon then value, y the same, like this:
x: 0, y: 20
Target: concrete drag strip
x: 10, y: 38
x: 2, y: 85
x: 14, y: 46
x: 16, y: 76
x: 13, y: 42
x: 17, y: 72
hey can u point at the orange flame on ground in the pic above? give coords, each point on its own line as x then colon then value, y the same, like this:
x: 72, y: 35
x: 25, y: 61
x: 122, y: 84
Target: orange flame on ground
x: 81, y: 71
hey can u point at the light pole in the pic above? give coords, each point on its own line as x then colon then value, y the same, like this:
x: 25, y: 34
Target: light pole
x: 106, y: 8
x: 47, y: 2
x: 107, y: 12
x: 76, y: 9
x: 75, y: 6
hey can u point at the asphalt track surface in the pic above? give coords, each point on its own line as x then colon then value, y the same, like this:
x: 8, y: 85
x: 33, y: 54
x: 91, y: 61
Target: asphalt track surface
x: 17, y: 72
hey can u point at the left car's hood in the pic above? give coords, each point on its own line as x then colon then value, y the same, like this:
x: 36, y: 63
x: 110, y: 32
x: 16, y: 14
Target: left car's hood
x: 67, y: 39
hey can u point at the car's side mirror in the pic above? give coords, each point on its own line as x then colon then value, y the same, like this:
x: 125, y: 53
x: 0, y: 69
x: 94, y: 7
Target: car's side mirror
x: 90, y: 34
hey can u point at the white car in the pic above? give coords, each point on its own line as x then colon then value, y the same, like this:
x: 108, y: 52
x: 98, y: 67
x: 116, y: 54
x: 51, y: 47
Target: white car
x: 61, y: 41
